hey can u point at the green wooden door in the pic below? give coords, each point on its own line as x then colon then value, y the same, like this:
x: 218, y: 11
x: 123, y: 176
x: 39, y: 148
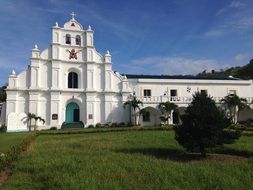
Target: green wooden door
x: 72, y: 113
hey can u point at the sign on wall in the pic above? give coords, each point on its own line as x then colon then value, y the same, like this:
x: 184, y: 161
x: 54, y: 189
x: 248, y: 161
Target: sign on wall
x: 54, y: 116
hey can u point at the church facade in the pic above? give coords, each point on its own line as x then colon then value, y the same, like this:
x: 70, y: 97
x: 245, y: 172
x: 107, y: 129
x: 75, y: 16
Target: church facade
x: 71, y: 82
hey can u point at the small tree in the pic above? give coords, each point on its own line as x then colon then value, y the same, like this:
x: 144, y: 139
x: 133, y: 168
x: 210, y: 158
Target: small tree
x: 203, y: 126
x: 166, y: 108
x: 134, y: 104
x: 234, y: 104
x: 30, y: 117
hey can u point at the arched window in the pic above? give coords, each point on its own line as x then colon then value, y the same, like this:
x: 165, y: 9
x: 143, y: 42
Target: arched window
x: 72, y: 80
x: 68, y: 39
x: 78, y: 40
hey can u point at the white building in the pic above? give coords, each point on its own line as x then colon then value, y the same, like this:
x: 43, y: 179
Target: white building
x: 70, y: 82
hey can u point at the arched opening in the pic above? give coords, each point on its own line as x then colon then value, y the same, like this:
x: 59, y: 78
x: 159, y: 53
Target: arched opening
x: 149, y: 116
x: 78, y: 40
x: 72, y: 80
x: 68, y: 39
x: 72, y: 113
x: 146, y: 116
x: 175, y: 117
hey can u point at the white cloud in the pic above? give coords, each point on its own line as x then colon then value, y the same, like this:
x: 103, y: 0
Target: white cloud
x: 241, y: 59
x: 214, y: 33
x: 232, y: 5
x: 171, y: 65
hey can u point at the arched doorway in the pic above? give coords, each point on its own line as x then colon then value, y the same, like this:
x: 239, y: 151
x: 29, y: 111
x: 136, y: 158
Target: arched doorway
x: 72, y: 113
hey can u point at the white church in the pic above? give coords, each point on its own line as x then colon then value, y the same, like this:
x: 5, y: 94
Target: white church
x: 71, y: 82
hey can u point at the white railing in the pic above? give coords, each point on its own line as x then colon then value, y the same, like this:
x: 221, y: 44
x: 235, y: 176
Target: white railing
x: 179, y: 99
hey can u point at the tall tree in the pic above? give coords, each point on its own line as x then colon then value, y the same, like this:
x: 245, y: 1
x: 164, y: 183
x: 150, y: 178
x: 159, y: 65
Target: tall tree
x: 134, y: 104
x: 166, y: 108
x: 234, y: 104
x: 203, y: 126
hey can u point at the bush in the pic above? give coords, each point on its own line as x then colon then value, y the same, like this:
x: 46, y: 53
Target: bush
x: 114, y: 124
x: 203, y: 126
x: 53, y: 128
x: 98, y: 125
x: 122, y: 124
x: 3, y: 128
x: 90, y: 126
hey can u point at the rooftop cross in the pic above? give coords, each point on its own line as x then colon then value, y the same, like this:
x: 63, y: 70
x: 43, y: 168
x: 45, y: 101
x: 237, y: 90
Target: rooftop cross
x: 73, y: 15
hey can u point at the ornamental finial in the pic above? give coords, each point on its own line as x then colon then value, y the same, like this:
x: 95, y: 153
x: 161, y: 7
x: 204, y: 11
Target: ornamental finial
x: 13, y: 72
x: 73, y: 15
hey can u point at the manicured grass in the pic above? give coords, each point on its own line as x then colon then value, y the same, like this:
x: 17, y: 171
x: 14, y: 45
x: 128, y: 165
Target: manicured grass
x: 126, y: 160
x: 8, y: 140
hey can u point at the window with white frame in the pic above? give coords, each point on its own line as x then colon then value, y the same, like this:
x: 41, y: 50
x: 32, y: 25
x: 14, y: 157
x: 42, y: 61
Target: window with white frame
x: 146, y: 92
x: 232, y: 92
x: 173, y: 92
x: 203, y: 91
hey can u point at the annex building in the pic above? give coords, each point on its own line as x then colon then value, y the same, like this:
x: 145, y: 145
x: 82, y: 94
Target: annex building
x: 71, y: 82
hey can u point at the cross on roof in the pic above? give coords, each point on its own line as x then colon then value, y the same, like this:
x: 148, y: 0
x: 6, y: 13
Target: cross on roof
x: 73, y: 15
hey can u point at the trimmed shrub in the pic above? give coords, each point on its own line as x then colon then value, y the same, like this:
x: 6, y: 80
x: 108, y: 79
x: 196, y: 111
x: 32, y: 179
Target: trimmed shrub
x: 53, y: 128
x: 98, y: 125
x: 3, y: 128
x: 90, y: 126
x: 114, y: 125
x: 122, y: 124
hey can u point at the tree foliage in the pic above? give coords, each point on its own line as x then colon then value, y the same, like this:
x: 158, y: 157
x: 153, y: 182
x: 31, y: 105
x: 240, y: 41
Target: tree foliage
x: 30, y: 117
x: 2, y: 94
x: 203, y: 126
x: 244, y: 72
x: 234, y: 104
x: 134, y: 104
x: 166, y: 108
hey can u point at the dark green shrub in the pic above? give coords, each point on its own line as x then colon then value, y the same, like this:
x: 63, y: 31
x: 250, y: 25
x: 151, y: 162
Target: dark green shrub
x: 90, y: 126
x: 98, y: 125
x: 53, y: 128
x: 114, y: 125
x: 203, y: 126
x: 3, y: 128
x: 122, y: 124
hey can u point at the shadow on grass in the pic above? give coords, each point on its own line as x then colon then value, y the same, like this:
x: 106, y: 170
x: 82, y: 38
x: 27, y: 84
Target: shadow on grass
x: 178, y: 155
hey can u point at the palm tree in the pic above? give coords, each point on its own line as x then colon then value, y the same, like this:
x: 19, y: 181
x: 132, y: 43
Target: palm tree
x: 166, y: 108
x: 134, y: 104
x: 234, y: 105
x: 36, y: 118
x: 29, y: 118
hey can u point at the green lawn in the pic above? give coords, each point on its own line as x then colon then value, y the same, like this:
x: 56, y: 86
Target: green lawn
x: 126, y: 160
x: 8, y: 140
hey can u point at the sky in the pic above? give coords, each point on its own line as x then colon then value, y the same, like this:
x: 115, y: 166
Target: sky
x: 165, y: 37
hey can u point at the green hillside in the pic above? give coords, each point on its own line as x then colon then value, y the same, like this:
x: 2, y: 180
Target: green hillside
x: 244, y: 72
